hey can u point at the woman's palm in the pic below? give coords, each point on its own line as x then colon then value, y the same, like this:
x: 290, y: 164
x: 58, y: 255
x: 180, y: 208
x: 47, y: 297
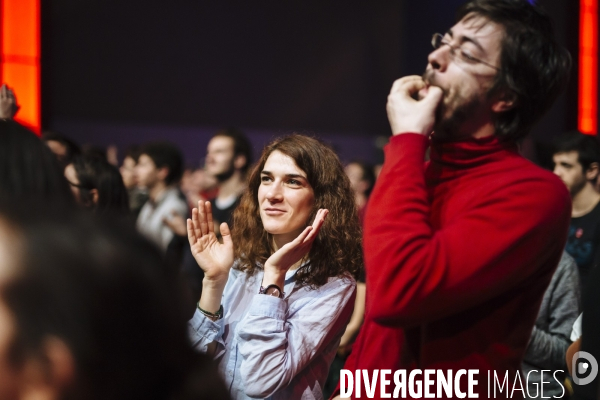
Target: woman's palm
x: 213, y: 257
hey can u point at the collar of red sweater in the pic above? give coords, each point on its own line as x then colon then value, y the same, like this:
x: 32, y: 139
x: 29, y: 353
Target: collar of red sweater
x: 470, y: 152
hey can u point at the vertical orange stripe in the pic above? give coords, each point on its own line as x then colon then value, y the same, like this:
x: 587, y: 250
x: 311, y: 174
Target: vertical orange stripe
x: 588, y: 67
x: 20, y: 51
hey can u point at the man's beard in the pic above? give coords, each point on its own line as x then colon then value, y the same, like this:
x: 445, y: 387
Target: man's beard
x: 223, y: 176
x: 446, y: 126
x: 578, y: 185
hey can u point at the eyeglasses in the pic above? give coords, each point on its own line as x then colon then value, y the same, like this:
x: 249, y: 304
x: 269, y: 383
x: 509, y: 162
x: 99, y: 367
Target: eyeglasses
x: 438, y: 40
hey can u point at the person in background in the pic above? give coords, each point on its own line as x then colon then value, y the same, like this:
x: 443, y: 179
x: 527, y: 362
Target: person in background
x: 197, y: 185
x: 87, y: 311
x: 576, y: 162
x: 277, y: 294
x: 544, y: 359
x: 362, y: 180
x: 8, y: 103
x: 137, y: 196
x: 97, y: 185
x: 29, y: 172
x: 228, y: 158
x: 63, y: 148
x: 159, y: 170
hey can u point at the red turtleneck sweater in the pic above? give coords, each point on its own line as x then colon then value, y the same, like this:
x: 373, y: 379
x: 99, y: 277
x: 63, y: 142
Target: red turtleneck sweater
x: 458, y: 254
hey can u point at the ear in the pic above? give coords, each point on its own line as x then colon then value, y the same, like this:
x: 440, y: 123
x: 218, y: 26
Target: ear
x: 504, y: 102
x: 48, y: 375
x: 592, y: 172
x: 239, y: 161
x: 94, y: 194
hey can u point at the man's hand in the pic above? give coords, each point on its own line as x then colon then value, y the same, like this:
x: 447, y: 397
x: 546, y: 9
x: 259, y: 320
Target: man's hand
x: 407, y: 115
x: 176, y: 223
x: 8, y: 103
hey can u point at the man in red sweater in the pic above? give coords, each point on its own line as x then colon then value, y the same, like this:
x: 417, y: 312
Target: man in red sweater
x: 459, y: 251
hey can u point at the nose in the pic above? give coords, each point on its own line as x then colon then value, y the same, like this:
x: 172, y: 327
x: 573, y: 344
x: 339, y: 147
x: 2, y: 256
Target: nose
x: 275, y: 193
x: 439, y: 58
x: 557, y: 170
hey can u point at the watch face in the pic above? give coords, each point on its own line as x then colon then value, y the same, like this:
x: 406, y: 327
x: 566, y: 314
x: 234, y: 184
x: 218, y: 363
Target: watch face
x: 272, y: 291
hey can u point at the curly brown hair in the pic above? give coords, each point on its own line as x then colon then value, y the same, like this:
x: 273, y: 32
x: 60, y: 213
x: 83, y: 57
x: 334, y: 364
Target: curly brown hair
x: 337, y: 249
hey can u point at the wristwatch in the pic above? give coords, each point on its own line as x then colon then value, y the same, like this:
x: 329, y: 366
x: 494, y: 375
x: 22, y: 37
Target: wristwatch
x: 272, y: 290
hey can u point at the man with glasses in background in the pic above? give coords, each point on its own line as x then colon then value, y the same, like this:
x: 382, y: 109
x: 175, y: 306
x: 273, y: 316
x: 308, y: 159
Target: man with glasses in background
x: 459, y: 252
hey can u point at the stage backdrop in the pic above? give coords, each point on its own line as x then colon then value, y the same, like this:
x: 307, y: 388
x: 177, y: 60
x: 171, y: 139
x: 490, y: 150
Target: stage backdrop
x: 128, y: 71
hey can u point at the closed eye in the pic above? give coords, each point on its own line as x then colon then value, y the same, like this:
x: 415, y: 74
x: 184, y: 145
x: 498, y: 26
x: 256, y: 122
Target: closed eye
x: 468, y: 56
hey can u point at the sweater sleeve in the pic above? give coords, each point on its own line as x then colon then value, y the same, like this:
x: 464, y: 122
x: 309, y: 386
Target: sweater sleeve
x: 560, y: 309
x: 418, y: 274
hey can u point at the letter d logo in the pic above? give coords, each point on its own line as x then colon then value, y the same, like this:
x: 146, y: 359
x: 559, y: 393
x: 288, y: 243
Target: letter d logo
x: 584, y: 364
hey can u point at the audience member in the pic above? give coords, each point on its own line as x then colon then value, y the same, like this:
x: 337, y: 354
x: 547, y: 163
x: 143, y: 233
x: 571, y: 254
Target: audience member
x: 544, y: 359
x: 8, y: 103
x: 460, y: 252
x: 63, y: 148
x: 88, y: 312
x: 159, y: 170
x: 29, y: 172
x: 137, y: 196
x: 228, y: 157
x: 278, y: 294
x: 197, y: 185
x: 362, y: 180
x: 577, y: 162
x: 97, y: 185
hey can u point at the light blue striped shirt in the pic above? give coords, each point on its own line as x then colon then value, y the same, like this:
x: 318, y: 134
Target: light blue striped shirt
x: 276, y: 348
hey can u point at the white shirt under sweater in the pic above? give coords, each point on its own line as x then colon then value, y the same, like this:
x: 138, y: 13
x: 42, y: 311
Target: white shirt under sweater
x: 150, y: 220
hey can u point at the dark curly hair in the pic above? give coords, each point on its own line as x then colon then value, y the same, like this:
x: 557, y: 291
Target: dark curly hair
x: 337, y: 249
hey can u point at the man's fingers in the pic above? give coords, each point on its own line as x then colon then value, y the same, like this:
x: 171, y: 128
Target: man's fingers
x: 434, y: 95
x: 166, y: 221
x: 408, y: 85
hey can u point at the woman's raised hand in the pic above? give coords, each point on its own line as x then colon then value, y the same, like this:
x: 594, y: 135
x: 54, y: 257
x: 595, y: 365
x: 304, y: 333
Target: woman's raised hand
x: 293, y: 251
x: 213, y: 257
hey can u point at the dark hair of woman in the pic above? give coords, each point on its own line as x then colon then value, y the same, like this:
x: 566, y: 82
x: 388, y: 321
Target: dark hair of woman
x: 102, y: 290
x: 337, y: 249
x: 110, y: 193
x: 29, y: 172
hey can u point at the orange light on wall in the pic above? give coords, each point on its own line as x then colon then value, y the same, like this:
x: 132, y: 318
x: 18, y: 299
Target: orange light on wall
x: 20, y: 57
x: 588, y: 67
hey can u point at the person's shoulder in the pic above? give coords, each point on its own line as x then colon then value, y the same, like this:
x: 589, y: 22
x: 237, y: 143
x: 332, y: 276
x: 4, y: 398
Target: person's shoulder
x: 566, y: 266
x: 524, y: 174
x: 346, y: 280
